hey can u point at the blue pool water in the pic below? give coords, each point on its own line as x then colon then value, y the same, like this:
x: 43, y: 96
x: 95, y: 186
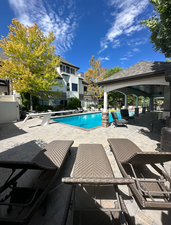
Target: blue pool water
x: 87, y: 120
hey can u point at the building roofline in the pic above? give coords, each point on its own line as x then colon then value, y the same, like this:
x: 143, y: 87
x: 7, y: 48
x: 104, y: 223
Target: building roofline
x: 134, y: 77
x: 68, y: 63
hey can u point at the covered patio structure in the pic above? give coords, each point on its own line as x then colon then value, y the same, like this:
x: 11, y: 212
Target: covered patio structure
x: 146, y: 79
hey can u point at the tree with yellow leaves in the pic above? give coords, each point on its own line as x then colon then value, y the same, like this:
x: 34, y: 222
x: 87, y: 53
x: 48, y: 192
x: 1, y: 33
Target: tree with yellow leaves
x: 32, y: 62
x: 93, y: 75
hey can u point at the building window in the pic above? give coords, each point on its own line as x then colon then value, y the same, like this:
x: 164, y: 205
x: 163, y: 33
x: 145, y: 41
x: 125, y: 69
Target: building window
x: 72, y: 71
x: 62, y: 68
x: 67, y: 69
x: 68, y: 87
x: 85, y: 90
x: 74, y: 87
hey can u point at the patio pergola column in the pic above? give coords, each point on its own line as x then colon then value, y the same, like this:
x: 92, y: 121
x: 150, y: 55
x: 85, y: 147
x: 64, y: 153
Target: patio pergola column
x: 151, y: 103
x: 168, y: 79
x: 105, y: 114
x: 148, y: 107
x: 144, y: 108
x: 126, y: 102
x: 105, y: 102
x: 136, y: 108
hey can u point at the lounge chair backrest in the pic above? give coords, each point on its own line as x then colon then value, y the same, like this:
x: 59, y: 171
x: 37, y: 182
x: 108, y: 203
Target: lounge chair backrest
x: 124, y: 113
x: 128, y: 148
x: 114, y: 115
x: 53, y: 155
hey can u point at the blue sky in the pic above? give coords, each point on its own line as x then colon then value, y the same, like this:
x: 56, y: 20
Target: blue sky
x: 108, y: 29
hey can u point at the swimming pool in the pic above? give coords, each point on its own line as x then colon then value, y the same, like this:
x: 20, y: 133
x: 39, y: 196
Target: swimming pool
x: 86, y: 120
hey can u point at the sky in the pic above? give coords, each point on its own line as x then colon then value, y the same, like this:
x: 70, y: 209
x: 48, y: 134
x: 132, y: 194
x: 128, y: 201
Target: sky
x: 107, y: 29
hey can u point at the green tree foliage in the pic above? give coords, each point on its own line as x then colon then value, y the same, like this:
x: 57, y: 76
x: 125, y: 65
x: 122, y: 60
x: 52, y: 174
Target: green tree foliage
x: 73, y: 103
x: 113, y: 70
x: 32, y: 62
x: 115, y: 98
x: 93, y: 75
x: 160, y: 26
x: 131, y: 100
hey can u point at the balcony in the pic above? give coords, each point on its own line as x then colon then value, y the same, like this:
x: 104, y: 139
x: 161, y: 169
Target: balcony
x: 88, y: 97
x: 80, y: 75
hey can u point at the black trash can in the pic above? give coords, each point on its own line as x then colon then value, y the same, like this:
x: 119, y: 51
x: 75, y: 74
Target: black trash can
x: 166, y: 139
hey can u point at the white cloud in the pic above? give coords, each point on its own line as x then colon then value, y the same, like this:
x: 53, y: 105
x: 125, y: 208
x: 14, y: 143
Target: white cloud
x: 140, y: 42
x: 123, y: 59
x: 104, y: 58
x: 132, y: 29
x: 129, y: 54
x: 124, y: 21
x: 62, y: 21
x: 116, y: 43
x: 135, y: 50
x: 137, y: 41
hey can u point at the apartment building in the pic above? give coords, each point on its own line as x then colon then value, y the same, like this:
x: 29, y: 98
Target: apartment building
x: 73, y: 85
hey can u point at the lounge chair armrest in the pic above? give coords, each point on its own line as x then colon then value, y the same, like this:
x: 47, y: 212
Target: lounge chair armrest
x: 148, y: 158
x: 117, y: 181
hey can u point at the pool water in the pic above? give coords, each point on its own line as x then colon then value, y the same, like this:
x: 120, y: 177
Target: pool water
x: 86, y: 120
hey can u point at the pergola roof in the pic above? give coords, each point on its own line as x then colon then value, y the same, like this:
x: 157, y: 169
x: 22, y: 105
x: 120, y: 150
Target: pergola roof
x: 146, y: 78
x: 139, y: 70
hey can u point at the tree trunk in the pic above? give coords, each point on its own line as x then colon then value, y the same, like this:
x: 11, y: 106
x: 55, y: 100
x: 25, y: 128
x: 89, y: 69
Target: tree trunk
x: 31, y: 102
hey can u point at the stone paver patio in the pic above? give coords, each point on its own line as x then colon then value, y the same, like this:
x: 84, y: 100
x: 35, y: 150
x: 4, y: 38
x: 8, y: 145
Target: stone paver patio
x: 22, y: 141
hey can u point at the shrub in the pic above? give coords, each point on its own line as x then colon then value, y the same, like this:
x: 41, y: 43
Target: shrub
x: 56, y: 108
x: 73, y: 103
x: 39, y: 108
x: 26, y: 101
x: 99, y: 106
x: 60, y: 107
x: 88, y: 106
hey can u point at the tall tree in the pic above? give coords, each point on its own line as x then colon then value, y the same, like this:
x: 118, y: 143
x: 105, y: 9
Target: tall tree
x: 113, y: 70
x: 114, y: 96
x: 93, y: 75
x: 32, y: 62
x: 160, y: 26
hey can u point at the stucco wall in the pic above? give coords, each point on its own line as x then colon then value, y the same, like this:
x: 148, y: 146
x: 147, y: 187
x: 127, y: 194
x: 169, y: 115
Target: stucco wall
x: 9, y: 111
x: 7, y: 98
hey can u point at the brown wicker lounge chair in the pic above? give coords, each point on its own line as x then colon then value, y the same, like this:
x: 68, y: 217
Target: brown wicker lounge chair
x: 92, y: 169
x: 20, y: 204
x: 151, y: 188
